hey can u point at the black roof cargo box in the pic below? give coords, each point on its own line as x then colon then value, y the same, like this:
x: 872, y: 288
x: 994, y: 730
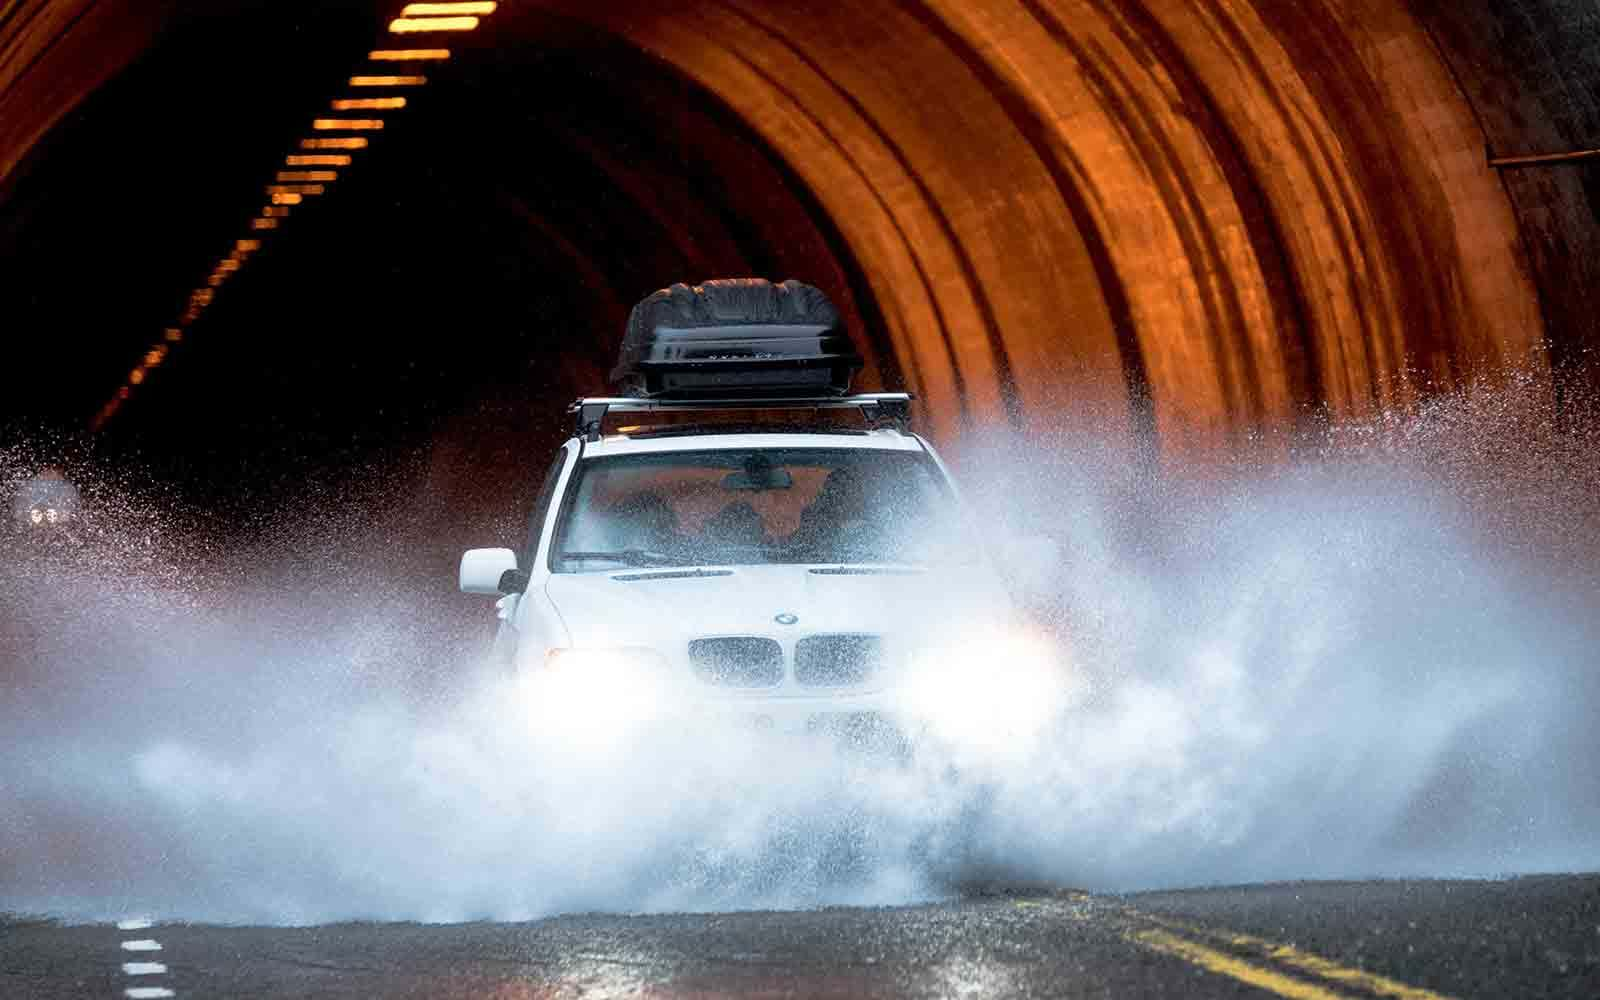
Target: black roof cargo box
x: 736, y: 337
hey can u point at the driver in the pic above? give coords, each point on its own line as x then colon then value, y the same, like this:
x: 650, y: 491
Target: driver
x: 646, y: 521
x: 736, y: 524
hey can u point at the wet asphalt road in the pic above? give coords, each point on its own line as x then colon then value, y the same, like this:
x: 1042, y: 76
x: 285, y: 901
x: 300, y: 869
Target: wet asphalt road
x: 1530, y: 937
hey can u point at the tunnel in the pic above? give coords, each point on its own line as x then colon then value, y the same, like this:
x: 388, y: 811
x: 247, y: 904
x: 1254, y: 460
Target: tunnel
x: 1228, y: 623
x: 1198, y: 227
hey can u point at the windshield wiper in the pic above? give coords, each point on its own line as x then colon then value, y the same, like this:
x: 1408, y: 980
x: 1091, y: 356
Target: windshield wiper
x: 629, y: 557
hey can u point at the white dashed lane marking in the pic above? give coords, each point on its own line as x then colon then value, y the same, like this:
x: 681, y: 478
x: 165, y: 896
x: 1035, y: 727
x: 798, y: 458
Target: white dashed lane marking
x: 142, y: 968
x: 142, y: 945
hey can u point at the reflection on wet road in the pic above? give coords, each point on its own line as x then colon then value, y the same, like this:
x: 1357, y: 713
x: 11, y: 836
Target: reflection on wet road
x: 1404, y: 940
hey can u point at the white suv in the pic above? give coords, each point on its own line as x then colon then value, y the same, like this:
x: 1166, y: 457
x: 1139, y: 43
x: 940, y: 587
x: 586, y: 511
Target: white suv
x: 783, y: 568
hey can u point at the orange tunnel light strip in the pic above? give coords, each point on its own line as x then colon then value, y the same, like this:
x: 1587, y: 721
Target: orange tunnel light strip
x: 407, y: 55
x: 387, y: 81
x: 413, y: 25
x: 417, y: 17
x: 347, y: 124
x: 369, y: 103
x: 352, y: 142
x: 462, y: 7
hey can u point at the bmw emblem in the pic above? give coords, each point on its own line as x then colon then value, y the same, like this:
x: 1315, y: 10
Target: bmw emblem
x: 786, y: 618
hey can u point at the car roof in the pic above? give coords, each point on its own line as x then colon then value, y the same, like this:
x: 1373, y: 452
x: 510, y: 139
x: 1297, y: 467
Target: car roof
x: 880, y: 440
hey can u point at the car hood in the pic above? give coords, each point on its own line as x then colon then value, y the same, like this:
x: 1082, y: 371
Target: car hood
x: 644, y: 607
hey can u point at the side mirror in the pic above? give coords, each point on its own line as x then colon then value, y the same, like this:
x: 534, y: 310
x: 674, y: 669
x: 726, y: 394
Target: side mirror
x: 487, y: 571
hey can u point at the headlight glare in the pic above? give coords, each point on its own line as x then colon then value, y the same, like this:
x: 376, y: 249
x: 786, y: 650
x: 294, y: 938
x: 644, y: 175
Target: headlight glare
x: 594, y: 696
x: 615, y: 658
x: 995, y: 693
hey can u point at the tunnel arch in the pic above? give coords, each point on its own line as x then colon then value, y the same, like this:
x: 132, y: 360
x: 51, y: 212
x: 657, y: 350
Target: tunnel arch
x: 1292, y: 198
x: 1214, y: 224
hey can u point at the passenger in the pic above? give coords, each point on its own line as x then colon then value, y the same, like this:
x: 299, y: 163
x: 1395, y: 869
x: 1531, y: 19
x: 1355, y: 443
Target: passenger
x: 645, y: 520
x: 736, y: 524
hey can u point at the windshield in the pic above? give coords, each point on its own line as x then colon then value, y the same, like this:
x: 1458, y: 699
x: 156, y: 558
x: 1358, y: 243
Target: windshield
x: 752, y: 506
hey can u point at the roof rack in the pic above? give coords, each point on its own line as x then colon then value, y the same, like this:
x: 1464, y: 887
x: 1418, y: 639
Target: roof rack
x: 881, y: 409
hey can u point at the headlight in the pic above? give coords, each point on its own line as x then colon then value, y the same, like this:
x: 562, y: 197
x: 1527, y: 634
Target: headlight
x: 36, y: 516
x: 590, y: 696
x: 51, y: 515
x: 994, y: 694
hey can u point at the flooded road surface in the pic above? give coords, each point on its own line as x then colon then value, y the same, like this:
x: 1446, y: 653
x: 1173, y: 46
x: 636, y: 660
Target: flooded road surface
x: 1415, y: 940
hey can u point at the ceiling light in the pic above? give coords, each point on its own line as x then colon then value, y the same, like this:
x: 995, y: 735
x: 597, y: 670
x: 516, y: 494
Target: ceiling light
x: 291, y: 176
x: 431, y: 9
x: 263, y: 223
x: 319, y: 160
x: 412, y: 25
x: 353, y: 142
x: 387, y: 81
x: 369, y: 104
x: 347, y: 124
x: 408, y: 55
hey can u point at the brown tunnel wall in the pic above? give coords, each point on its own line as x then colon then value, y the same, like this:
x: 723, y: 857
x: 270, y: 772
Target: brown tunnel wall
x: 1208, y: 220
x: 1531, y: 69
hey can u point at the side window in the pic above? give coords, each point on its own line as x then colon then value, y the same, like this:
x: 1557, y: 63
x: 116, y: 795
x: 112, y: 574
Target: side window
x: 541, y: 506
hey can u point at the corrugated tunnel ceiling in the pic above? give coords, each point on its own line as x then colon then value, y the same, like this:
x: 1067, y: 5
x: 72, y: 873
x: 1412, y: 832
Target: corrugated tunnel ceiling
x: 1207, y: 221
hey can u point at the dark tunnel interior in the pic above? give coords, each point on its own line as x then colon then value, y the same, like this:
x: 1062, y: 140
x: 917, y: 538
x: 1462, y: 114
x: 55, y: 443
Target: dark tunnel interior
x: 473, y: 274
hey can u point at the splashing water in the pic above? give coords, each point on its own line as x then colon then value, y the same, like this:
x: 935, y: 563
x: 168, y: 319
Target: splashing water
x: 1375, y: 661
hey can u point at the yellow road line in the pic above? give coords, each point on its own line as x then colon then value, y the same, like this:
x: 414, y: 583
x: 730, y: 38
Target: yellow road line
x: 1176, y: 938
x: 1316, y: 964
x: 1234, y: 968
